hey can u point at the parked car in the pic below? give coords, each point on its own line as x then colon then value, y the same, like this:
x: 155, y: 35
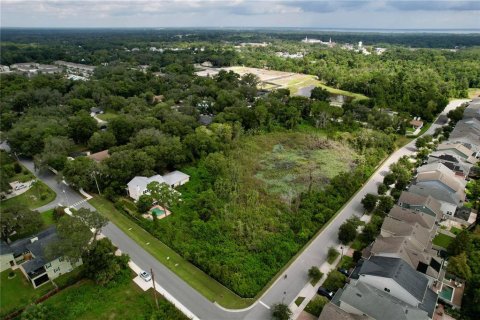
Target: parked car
x: 20, y: 187
x: 145, y: 276
x: 344, y: 272
x: 326, y: 293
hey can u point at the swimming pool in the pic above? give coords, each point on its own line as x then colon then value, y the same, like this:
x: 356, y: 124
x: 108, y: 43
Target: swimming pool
x: 446, y: 293
x: 158, y: 212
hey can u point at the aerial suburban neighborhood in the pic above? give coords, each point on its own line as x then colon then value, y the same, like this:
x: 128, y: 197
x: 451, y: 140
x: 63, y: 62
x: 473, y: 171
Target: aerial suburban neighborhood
x: 244, y: 160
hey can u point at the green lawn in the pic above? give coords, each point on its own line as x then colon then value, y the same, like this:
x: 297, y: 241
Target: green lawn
x: 23, y: 176
x: 47, y: 217
x: 299, y: 300
x: 308, y: 80
x: 195, y: 277
x: 39, y: 195
x: 126, y: 300
x: 18, y: 292
x: 442, y: 240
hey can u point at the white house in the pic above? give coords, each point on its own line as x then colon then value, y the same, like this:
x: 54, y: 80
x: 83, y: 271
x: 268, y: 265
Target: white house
x: 138, y: 185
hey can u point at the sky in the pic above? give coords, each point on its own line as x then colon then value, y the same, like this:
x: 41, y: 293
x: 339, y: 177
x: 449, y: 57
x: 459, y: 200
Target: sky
x: 355, y: 14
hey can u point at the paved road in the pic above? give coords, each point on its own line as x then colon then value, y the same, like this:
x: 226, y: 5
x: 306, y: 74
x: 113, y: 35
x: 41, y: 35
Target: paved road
x: 283, y: 289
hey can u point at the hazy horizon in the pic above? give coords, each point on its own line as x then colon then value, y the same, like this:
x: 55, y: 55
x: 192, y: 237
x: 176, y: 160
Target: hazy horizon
x: 343, y: 15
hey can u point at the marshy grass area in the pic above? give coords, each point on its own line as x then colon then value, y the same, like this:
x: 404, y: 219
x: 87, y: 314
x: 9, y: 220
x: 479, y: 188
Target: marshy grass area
x: 288, y: 164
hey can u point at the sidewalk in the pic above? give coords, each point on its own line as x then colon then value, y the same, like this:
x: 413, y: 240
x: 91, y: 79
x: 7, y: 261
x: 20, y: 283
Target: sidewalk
x: 147, y: 285
x: 309, y: 291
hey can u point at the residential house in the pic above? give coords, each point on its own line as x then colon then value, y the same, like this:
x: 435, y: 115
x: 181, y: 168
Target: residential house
x: 397, y: 278
x: 449, y: 202
x: 333, y: 312
x: 439, y: 180
x: 460, y: 150
x: 402, y: 214
x: 138, y: 185
x: 358, y: 301
x: 99, y: 156
x: 420, y: 203
x: 416, y: 124
x: 472, y: 110
x: 452, y: 161
x: 410, y: 241
x: 30, y: 255
x: 438, y: 166
x: 470, y: 141
x: 467, y: 132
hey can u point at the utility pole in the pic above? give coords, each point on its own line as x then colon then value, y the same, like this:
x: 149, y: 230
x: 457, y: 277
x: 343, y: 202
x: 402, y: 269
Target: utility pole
x: 154, y: 288
x: 96, y: 182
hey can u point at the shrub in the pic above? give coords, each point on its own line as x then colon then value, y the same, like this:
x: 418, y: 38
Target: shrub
x: 280, y: 311
x: 334, y: 281
x: 332, y: 255
x: 43, y: 196
x: 315, y: 306
x: 382, y: 188
x: 314, y: 274
x: 389, y: 179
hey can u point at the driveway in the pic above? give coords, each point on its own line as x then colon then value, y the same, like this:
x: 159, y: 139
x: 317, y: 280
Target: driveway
x: 283, y: 289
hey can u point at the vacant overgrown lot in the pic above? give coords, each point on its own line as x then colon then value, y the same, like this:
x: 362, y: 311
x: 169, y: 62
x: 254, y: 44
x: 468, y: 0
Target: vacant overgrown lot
x: 292, y: 164
x: 243, y: 213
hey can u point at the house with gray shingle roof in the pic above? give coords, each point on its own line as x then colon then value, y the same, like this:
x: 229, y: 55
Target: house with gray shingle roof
x: 460, y: 150
x: 420, y: 203
x: 362, y: 301
x: 448, y: 201
x: 411, y: 216
x: 450, y: 159
x: 397, y: 278
x: 30, y: 255
x: 472, y: 110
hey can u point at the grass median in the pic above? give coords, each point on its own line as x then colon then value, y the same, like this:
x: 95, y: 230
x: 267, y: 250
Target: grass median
x: 196, y: 278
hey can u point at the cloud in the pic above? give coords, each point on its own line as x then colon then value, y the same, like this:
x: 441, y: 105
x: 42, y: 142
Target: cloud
x: 435, y: 5
x: 273, y: 13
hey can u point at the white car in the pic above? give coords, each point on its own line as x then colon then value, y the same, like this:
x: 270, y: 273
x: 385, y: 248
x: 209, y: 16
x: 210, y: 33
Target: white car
x: 145, y: 276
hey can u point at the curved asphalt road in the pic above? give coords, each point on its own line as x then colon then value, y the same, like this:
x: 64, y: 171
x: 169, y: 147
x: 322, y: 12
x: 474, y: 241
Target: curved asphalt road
x: 283, y: 289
